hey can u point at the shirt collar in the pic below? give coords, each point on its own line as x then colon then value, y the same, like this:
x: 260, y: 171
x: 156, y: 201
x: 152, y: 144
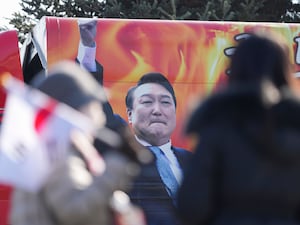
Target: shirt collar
x: 163, y: 147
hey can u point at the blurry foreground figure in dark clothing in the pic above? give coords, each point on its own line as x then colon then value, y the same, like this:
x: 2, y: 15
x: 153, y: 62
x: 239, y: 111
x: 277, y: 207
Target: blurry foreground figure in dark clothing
x: 80, y: 189
x: 246, y: 166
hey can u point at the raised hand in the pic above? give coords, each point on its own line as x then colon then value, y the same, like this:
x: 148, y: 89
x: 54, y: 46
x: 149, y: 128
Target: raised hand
x: 88, y: 32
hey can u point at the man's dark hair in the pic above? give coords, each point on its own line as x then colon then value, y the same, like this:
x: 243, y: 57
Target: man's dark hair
x: 152, y: 77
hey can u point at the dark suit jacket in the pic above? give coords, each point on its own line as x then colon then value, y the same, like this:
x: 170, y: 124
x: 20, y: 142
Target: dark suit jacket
x: 148, y: 192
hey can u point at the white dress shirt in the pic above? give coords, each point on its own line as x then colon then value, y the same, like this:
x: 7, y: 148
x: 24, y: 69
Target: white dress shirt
x: 87, y: 57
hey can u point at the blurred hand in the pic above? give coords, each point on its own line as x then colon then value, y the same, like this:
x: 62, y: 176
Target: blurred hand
x: 83, y: 144
x: 88, y: 33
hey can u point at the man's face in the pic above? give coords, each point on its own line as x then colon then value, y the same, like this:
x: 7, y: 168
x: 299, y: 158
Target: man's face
x: 153, y: 115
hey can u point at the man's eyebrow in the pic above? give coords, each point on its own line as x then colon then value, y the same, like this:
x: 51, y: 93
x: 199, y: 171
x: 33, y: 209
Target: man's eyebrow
x: 161, y: 96
x: 166, y: 96
x: 146, y: 95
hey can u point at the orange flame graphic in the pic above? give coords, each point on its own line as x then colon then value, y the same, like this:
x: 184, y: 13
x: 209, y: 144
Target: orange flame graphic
x: 190, y: 54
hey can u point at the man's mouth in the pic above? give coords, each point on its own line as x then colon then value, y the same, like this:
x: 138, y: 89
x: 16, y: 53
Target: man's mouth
x: 157, y: 121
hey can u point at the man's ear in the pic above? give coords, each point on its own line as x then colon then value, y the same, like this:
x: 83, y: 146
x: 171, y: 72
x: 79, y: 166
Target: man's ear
x: 129, y: 115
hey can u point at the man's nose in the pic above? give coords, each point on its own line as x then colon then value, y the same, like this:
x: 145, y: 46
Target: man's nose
x: 156, y: 108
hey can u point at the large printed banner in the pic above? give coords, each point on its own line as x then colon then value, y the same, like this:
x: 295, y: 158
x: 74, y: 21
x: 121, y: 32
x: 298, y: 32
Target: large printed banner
x: 10, y: 60
x: 193, y: 55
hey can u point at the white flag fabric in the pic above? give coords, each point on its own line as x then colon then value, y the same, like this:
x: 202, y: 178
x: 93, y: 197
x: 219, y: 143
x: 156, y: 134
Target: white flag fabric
x: 35, y: 135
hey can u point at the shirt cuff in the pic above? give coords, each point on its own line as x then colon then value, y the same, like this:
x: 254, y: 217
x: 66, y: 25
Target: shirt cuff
x: 87, y: 57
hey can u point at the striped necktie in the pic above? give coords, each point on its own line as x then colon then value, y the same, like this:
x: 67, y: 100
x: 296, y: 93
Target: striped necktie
x: 165, y: 171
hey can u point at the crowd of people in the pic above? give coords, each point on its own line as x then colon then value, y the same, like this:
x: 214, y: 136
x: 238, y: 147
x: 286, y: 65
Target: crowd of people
x: 243, y: 169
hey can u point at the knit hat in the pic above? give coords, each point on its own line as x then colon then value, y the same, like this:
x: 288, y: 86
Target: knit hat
x: 68, y: 83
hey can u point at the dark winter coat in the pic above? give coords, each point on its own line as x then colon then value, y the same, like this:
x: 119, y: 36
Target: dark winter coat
x: 246, y: 166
